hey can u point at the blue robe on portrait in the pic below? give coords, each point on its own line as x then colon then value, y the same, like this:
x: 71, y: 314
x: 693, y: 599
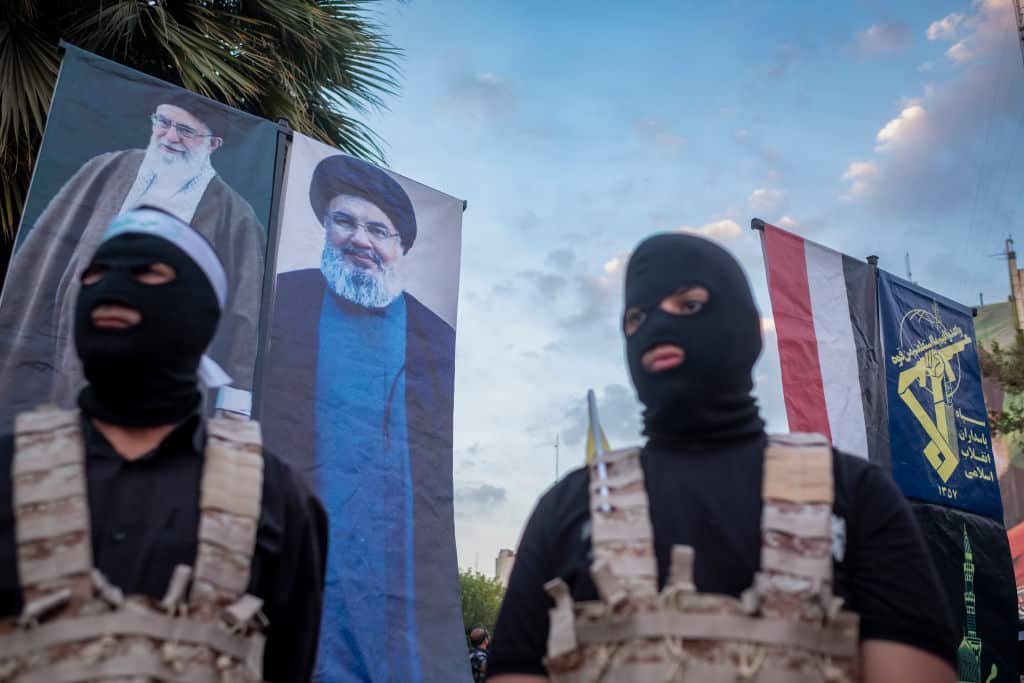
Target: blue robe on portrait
x: 415, y: 628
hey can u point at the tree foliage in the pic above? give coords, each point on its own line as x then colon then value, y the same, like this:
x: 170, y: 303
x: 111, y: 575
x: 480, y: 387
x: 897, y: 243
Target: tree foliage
x: 1006, y: 366
x: 481, y: 600
x: 316, y: 63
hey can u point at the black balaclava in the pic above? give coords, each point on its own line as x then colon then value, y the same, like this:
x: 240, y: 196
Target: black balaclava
x: 147, y: 374
x: 708, y: 397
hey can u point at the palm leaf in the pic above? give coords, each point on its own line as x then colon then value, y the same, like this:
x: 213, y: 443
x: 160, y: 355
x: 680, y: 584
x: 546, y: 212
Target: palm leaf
x: 320, y: 64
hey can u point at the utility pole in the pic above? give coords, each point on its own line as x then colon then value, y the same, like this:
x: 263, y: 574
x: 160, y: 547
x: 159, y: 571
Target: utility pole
x: 1015, y: 284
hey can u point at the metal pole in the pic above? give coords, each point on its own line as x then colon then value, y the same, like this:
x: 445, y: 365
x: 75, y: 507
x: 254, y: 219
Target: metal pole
x: 556, y: 456
x: 602, y: 468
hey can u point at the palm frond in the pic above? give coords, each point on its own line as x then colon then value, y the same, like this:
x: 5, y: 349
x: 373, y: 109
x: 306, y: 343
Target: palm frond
x: 318, y: 63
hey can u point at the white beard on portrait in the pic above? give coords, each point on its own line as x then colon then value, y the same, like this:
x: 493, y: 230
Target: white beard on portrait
x: 171, y: 181
x: 361, y: 287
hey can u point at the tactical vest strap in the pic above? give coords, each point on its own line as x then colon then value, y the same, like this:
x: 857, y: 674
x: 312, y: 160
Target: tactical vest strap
x: 680, y: 575
x: 144, y: 665
x: 796, y: 557
x: 798, y: 469
x: 694, y: 670
x: 621, y: 533
x: 837, y: 638
x: 51, y: 506
x: 805, y: 521
x: 787, y: 628
x: 230, y: 497
x: 148, y: 624
x: 562, y: 632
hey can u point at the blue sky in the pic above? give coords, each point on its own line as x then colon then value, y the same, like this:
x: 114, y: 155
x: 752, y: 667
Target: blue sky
x: 574, y: 129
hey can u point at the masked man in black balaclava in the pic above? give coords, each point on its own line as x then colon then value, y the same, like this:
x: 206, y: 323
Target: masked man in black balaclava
x: 144, y: 488
x: 610, y: 532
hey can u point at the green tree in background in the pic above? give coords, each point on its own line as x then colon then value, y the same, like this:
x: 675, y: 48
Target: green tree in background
x: 317, y: 63
x: 1006, y: 366
x: 481, y: 599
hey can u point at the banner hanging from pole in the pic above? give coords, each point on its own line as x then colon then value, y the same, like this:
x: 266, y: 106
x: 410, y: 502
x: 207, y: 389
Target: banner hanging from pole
x: 823, y: 303
x: 116, y: 139
x: 357, y: 393
x: 941, y: 445
x: 972, y: 557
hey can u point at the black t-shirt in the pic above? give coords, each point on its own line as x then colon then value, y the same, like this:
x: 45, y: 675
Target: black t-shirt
x: 710, y: 498
x: 144, y: 515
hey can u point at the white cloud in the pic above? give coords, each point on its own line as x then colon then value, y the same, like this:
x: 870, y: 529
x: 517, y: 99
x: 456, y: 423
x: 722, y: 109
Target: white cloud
x: 765, y: 200
x: 902, y: 130
x: 862, y: 176
x: 961, y: 52
x: 883, y: 39
x: 787, y: 222
x: 723, y: 230
x: 921, y: 152
x: 983, y: 32
x: 615, y: 264
x: 945, y: 28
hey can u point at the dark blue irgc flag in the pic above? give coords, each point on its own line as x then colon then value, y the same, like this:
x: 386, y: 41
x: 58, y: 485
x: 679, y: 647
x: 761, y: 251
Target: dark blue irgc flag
x: 938, y: 425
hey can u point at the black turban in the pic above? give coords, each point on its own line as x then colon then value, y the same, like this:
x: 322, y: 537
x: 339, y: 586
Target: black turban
x: 342, y: 174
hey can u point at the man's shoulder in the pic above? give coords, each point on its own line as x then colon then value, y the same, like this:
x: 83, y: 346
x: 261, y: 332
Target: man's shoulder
x: 855, y: 476
x: 283, y: 484
x: 306, y: 281
x: 224, y: 199
x: 6, y: 447
x: 567, y: 498
x: 119, y: 156
x: 120, y: 160
x: 419, y: 315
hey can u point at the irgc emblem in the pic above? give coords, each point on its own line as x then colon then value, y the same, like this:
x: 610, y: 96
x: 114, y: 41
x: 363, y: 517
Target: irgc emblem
x: 929, y: 377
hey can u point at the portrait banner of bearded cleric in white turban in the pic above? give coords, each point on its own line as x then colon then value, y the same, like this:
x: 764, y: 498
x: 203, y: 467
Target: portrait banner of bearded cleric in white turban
x: 358, y: 392
x: 116, y: 139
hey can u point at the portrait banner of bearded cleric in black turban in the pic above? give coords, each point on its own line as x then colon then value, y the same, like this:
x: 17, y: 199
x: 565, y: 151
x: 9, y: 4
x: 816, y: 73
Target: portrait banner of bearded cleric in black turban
x: 116, y: 139
x: 357, y: 395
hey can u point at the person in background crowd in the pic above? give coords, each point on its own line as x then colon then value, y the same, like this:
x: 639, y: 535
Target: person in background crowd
x: 739, y: 557
x: 480, y: 640
x: 137, y: 495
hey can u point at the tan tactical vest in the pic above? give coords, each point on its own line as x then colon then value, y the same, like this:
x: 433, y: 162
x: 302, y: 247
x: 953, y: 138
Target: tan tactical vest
x: 76, y: 626
x: 787, y: 628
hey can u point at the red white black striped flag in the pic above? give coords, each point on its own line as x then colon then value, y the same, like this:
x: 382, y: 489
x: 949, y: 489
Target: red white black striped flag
x: 826, y: 322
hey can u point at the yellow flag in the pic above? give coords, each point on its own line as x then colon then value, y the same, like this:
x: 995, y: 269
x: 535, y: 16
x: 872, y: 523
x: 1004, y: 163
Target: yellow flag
x: 597, y: 442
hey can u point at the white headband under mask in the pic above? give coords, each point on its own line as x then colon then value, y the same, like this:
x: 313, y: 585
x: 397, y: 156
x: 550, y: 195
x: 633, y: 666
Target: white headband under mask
x: 152, y: 222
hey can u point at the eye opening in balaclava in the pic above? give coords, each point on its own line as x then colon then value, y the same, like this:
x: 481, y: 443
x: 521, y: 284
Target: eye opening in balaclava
x: 119, y: 314
x: 145, y: 373
x: 707, y: 396
x: 685, y: 301
x: 156, y: 273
